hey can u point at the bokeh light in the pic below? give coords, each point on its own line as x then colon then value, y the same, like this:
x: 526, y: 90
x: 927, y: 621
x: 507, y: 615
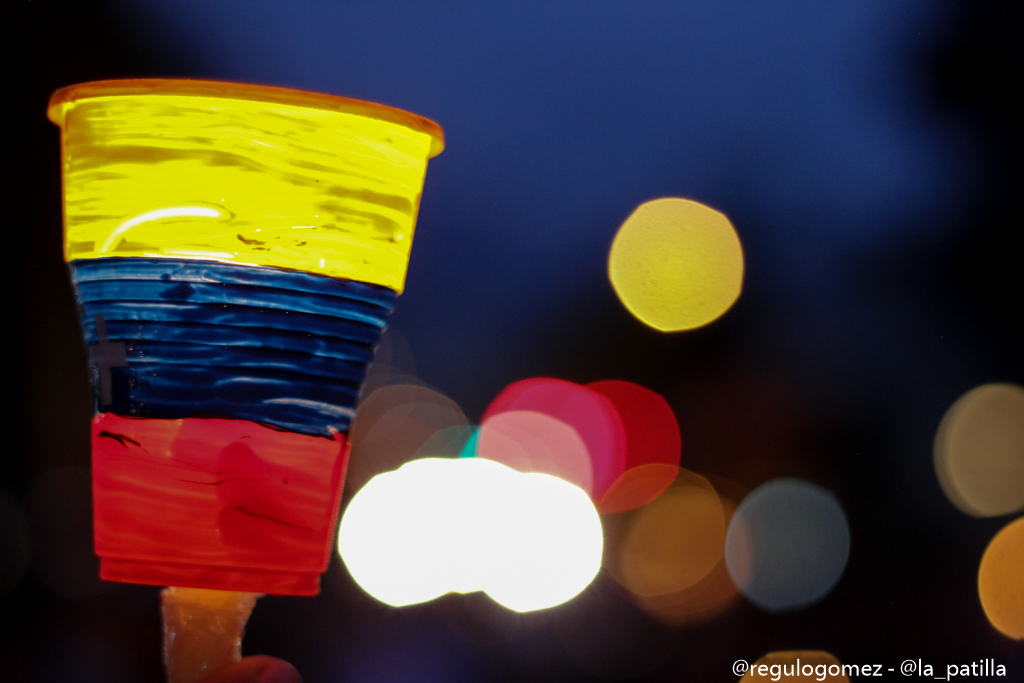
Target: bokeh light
x: 440, y: 525
x: 14, y: 544
x: 392, y: 425
x: 592, y: 415
x: 450, y: 442
x: 653, y: 445
x: 715, y: 593
x: 637, y: 487
x: 796, y: 665
x: 787, y: 544
x: 528, y: 441
x: 979, y: 451
x: 675, y: 541
x: 676, y: 264
x: 1001, y: 580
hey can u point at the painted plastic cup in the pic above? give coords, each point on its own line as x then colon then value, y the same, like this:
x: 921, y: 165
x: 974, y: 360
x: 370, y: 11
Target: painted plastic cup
x: 236, y: 251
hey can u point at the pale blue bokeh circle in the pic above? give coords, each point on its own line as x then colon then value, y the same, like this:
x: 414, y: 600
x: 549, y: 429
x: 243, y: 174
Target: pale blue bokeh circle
x: 787, y: 544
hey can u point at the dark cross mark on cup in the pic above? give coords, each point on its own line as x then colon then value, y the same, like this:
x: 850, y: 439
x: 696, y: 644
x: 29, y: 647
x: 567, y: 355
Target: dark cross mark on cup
x: 105, y: 355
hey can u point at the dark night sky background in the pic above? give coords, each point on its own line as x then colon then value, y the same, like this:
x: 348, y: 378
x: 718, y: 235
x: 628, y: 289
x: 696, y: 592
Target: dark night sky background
x: 868, y: 154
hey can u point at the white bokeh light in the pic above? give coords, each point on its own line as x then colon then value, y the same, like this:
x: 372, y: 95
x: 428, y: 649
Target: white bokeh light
x: 439, y: 525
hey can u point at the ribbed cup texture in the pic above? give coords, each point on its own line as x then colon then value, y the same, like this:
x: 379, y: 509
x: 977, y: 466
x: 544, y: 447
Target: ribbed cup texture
x: 175, y: 338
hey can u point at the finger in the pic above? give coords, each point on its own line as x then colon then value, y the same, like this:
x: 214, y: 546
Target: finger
x: 257, y: 669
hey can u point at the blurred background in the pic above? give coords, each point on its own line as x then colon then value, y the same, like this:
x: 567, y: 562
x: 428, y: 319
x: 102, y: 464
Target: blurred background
x: 868, y: 155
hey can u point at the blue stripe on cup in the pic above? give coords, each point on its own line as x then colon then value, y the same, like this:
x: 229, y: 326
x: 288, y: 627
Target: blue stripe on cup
x: 191, y: 338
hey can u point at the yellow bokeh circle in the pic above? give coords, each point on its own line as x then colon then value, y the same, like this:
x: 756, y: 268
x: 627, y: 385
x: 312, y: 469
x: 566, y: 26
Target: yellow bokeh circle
x: 1001, y: 580
x: 676, y: 264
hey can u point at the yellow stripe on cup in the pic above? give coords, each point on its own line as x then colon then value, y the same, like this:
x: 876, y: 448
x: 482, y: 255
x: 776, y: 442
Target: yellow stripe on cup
x: 242, y: 174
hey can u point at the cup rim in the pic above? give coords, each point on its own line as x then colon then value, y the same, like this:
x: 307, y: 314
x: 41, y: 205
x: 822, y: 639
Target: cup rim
x: 64, y: 98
